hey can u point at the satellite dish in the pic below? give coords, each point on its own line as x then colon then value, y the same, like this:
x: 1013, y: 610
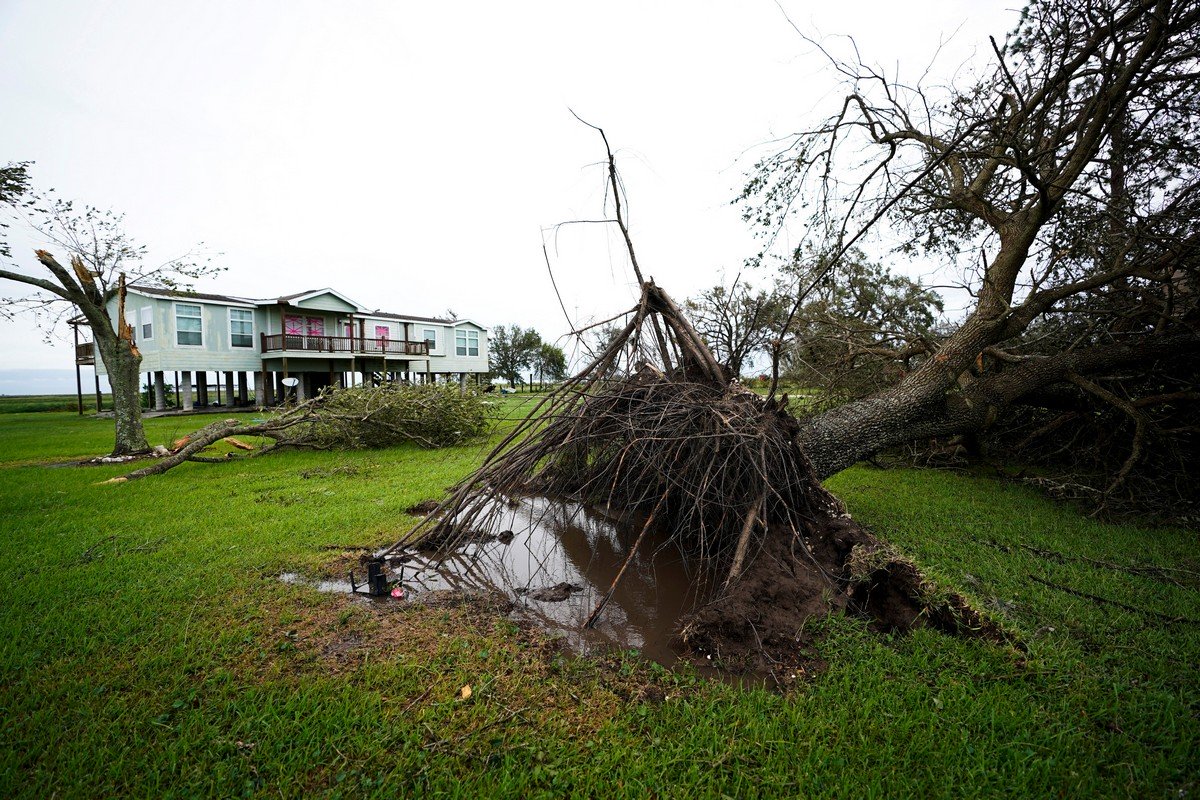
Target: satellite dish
x: 290, y: 382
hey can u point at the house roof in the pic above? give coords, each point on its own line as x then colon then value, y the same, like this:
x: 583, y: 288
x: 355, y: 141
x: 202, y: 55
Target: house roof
x: 408, y: 317
x: 298, y: 296
x: 162, y: 292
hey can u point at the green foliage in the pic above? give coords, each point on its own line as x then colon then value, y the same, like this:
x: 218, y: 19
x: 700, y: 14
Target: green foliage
x: 15, y: 404
x: 861, y: 329
x: 550, y: 362
x: 368, y: 417
x: 147, y: 394
x: 14, y: 184
x: 512, y: 349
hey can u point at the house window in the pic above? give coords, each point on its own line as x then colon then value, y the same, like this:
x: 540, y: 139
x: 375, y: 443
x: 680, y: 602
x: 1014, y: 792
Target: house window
x: 382, y: 334
x: 189, y: 325
x: 430, y: 336
x: 241, y: 327
x: 316, y: 326
x: 466, y: 343
x: 293, y: 326
x: 146, y: 316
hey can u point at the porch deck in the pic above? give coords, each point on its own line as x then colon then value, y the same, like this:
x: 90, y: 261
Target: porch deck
x: 341, y: 345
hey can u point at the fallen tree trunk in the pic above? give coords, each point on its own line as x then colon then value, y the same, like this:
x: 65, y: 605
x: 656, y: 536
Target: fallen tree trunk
x: 217, y: 431
x: 922, y: 409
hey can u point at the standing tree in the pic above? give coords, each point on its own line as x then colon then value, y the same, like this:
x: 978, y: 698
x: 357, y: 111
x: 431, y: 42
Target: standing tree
x: 859, y: 330
x: 103, y: 261
x: 1068, y: 175
x: 736, y: 322
x: 550, y: 362
x: 512, y: 349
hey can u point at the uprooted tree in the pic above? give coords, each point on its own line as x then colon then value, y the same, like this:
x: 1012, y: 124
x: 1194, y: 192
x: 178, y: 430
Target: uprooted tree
x: 654, y: 425
x: 1070, y: 169
x: 1065, y: 183
x: 103, y: 260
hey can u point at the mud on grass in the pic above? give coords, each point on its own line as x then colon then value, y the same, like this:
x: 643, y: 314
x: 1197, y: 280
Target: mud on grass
x: 476, y: 670
x: 761, y: 627
x: 761, y: 622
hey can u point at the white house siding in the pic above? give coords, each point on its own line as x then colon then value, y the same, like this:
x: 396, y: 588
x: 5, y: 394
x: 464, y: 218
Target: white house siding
x: 451, y: 361
x: 163, y: 353
x: 136, y: 310
x: 395, y: 329
x: 325, y: 302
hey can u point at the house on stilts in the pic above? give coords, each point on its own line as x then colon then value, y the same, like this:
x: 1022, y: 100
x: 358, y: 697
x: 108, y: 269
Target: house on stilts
x: 319, y: 338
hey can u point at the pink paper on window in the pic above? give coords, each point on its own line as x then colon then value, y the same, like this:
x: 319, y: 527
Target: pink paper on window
x: 316, y: 326
x: 293, y: 326
x: 382, y: 332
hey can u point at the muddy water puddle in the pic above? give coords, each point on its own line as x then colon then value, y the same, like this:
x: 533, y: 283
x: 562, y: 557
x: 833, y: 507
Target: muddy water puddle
x: 555, y: 560
x: 297, y: 579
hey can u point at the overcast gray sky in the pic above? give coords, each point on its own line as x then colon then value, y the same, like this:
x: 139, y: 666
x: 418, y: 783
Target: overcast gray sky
x: 409, y: 155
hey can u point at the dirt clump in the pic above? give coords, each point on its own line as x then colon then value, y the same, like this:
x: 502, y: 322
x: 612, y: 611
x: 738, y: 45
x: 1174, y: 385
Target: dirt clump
x: 761, y: 621
x: 555, y: 594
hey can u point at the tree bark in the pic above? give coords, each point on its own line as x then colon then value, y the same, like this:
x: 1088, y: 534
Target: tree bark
x: 920, y: 408
x: 123, y: 363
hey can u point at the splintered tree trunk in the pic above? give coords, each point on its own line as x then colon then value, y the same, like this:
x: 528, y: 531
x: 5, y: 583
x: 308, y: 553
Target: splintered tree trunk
x: 123, y: 363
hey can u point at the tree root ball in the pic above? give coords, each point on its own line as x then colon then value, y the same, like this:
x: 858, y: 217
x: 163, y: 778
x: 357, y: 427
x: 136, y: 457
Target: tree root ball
x: 765, y: 620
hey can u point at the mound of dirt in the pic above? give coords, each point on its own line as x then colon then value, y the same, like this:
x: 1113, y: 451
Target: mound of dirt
x: 762, y: 622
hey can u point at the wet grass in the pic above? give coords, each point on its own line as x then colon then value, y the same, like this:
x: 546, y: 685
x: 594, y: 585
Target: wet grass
x: 146, y: 648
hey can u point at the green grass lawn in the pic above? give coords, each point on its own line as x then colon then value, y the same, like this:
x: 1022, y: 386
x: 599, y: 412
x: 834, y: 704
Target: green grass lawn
x: 16, y: 404
x: 147, y: 649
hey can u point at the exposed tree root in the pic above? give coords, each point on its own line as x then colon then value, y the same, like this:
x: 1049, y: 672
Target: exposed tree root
x: 763, y: 621
x: 654, y: 427
x: 718, y: 470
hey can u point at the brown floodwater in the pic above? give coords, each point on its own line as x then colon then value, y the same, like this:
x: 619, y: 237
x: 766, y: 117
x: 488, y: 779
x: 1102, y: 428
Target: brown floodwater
x: 561, y: 549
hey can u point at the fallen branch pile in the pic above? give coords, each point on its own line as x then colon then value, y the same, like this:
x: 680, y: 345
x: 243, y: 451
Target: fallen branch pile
x: 356, y: 418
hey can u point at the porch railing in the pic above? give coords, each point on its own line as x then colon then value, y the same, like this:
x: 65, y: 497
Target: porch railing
x: 350, y: 345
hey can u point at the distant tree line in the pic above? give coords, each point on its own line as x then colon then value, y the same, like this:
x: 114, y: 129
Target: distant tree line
x: 516, y: 353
